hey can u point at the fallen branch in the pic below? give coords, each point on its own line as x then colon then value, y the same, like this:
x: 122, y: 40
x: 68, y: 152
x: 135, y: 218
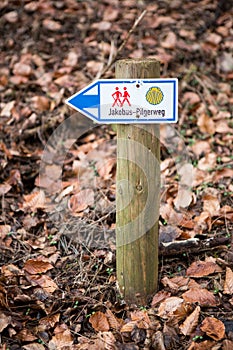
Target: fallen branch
x: 192, y: 246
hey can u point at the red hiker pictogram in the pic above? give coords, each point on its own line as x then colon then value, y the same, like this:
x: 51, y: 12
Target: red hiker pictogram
x: 126, y: 96
x: 117, y: 97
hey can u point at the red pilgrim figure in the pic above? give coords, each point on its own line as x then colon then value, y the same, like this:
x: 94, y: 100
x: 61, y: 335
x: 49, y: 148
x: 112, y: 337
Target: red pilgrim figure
x: 126, y: 96
x: 117, y: 97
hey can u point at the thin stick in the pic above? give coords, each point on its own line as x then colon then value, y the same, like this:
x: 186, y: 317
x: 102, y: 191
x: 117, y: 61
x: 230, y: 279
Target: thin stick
x: 114, y: 57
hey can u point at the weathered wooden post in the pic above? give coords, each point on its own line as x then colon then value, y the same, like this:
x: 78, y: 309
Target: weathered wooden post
x: 137, y: 101
x: 138, y: 193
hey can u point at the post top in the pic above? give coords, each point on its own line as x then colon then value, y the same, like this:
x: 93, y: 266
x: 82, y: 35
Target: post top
x: 138, y: 68
x: 138, y: 60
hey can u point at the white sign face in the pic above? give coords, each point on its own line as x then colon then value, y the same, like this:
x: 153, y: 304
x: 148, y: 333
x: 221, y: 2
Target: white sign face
x: 136, y: 101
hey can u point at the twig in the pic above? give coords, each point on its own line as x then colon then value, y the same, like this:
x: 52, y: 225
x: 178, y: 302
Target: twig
x: 205, y: 88
x: 114, y: 57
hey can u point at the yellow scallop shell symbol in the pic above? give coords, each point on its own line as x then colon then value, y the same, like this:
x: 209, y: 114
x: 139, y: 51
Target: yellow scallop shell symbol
x: 154, y: 96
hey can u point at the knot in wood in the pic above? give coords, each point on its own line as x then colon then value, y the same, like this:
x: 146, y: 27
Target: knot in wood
x: 139, y: 188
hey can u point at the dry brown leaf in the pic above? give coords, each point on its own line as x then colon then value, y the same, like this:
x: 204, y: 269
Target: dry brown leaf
x: 227, y: 211
x: 177, y: 283
x: 18, y: 79
x: 62, y: 338
x: 184, y: 33
x: 191, y: 97
x: 181, y: 313
x: 222, y: 127
x: 201, y: 147
x: 33, y: 346
x: 11, y: 17
x: 43, y: 281
x: 80, y: 201
x: 105, y: 341
x: 213, y: 327
x: 14, y: 178
x: 50, y: 179
x: 158, y: 341
x: 139, y: 53
x: 25, y: 335
x: 99, y: 322
x: 102, y: 26
x: 214, y: 38
x: 206, y: 124
x: 201, y: 176
x: 105, y: 169
x: 22, y: 69
x: 4, y: 321
x: 128, y: 327
x: 203, y: 222
x: 208, y: 162
x: 37, y: 266
x: 3, y: 80
x: 161, y: 20
x: 227, y: 344
x: 222, y: 115
x: 49, y: 321
x: 65, y: 80
x: 183, y: 199
x: 187, y: 234
x: 72, y: 59
x: 166, y: 164
x: 45, y: 79
x: 168, y: 283
x: 141, y: 317
x: 160, y: 296
x: 114, y: 323
x: 7, y: 109
x: 222, y: 99
x: 32, y: 6
x: 168, y: 233
x: 170, y: 334
x: 186, y: 173
x: 211, y: 201
x: 51, y: 25
x: 226, y: 62
x: 10, y: 270
x: 169, y: 306
x: 40, y: 103
x: 201, y: 296
x: 202, y: 268
x: 162, y: 56
x: 219, y: 174
x: 228, y: 284
x: 110, y: 14
x: 91, y: 344
x: 180, y: 281
x: 205, y: 345
x: 35, y: 200
x: 4, y: 231
x: 170, y: 41
x: 191, y: 322
x: 169, y: 214
x: 174, y: 218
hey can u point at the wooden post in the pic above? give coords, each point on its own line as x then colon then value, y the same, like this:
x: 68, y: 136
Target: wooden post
x: 138, y: 193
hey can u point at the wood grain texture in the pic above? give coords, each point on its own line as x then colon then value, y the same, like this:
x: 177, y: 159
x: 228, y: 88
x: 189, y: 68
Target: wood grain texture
x: 138, y: 192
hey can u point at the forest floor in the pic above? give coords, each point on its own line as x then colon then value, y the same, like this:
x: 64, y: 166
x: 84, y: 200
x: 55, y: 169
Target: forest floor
x: 58, y: 287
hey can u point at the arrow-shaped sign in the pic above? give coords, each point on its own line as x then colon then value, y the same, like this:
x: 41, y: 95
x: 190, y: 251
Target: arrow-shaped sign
x: 128, y: 101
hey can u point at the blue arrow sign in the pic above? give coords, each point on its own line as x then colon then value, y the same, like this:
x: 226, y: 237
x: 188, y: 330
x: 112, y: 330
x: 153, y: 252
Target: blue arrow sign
x: 128, y: 101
